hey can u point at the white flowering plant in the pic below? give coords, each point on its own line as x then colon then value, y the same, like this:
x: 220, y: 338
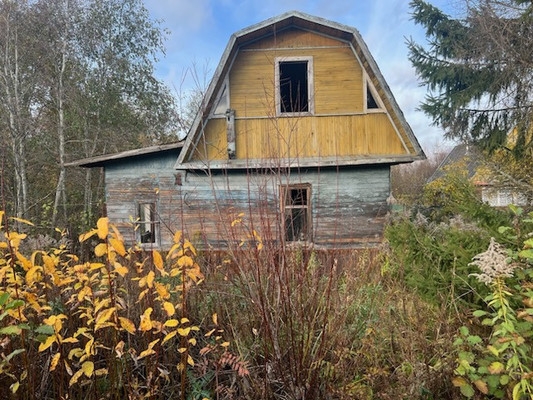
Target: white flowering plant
x: 498, y: 362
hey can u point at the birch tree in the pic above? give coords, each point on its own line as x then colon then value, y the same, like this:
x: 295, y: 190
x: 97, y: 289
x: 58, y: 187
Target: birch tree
x: 18, y: 87
x: 76, y: 80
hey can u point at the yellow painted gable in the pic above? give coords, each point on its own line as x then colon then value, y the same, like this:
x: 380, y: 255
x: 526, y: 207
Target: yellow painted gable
x: 338, y: 125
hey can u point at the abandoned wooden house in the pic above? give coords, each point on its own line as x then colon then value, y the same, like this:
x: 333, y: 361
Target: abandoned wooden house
x: 294, y: 143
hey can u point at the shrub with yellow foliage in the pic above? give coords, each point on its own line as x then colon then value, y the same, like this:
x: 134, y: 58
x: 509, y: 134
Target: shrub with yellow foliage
x: 117, y: 325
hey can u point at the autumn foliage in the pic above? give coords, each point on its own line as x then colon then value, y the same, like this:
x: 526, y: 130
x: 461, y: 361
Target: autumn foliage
x: 116, y: 326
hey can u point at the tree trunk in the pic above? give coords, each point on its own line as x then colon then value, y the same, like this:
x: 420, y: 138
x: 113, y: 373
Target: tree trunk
x: 60, y: 188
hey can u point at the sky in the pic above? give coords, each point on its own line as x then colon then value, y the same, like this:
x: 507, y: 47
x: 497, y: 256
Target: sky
x: 199, y: 30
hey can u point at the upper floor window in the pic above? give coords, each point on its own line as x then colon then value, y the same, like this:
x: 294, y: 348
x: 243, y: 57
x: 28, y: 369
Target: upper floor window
x: 373, y: 102
x: 294, y: 85
x: 222, y: 100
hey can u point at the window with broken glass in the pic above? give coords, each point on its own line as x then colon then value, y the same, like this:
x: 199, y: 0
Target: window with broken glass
x: 296, y: 210
x: 147, y: 226
x: 294, y: 82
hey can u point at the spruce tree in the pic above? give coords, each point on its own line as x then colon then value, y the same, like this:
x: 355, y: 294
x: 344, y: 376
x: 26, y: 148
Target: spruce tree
x: 478, y: 71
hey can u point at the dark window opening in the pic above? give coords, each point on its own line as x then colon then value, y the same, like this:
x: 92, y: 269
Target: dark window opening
x: 293, y: 86
x: 296, y: 211
x: 146, y: 224
x: 371, y: 103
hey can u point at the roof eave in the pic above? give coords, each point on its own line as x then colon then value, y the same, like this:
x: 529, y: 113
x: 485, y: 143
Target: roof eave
x: 102, y: 160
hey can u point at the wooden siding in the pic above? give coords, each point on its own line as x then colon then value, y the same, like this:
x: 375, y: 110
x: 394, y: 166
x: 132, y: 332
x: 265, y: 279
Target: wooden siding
x: 339, y: 126
x: 338, y: 80
x: 348, y: 206
x: 217, y: 209
x: 318, y: 137
x: 388, y: 106
x: 147, y: 179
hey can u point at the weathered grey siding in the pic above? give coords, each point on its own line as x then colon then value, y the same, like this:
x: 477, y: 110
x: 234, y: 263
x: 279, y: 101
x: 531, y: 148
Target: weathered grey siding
x: 348, y: 206
x: 139, y: 180
x: 220, y: 207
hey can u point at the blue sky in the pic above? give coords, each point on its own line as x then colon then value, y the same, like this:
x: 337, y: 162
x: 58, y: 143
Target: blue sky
x: 199, y: 31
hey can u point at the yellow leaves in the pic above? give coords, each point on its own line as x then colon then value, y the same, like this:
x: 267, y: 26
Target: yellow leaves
x: 47, y: 343
x: 84, y: 236
x: 162, y: 291
x: 49, y: 264
x: 69, y: 340
x: 102, y: 227
x: 75, y: 377
x: 148, y: 280
x: 33, y: 275
x: 26, y: 264
x: 146, y: 322
x: 169, y: 308
x: 100, y: 250
x: 76, y: 352
x: 55, y: 321
x: 119, y: 349
x: 171, y: 323
x: 120, y: 269
x: 194, y: 273
x: 88, y: 368
x: 99, y: 297
x: 237, y: 220
x: 89, y: 348
x: 86, y: 291
x: 496, y: 368
x: 127, y: 325
x: 169, y: 336
x: 149, y: 351
x: 185, y: 261
x: 23, y: 221
x: 118, y: 246
x: 15, y: 239
x: 158, y: 262
x: 103, y: 318
x: 184, y: 331
x: 14, y: 387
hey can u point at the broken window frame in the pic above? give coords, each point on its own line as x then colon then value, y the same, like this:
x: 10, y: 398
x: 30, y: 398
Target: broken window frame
x: 279, y: 61
x: 372, y: 106
x: 222, y: 102
x: 296, y: 212
x: 147, y: 226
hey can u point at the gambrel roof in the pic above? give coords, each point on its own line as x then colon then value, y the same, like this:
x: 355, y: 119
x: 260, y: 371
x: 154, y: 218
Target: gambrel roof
x: 305, y: 22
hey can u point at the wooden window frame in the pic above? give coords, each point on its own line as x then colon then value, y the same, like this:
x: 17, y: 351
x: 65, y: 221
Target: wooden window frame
x: 288, y: 210
x: 147, y: 228
x: 369, y: 88
x: 310, y: 85
x: 222, y: 102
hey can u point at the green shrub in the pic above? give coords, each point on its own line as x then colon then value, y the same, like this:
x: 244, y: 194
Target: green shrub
x: 433, y: 258
x: 498, y: 361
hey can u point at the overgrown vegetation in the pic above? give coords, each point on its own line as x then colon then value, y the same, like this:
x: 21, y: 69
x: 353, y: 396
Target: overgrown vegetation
x: 410, y: 320
x: 115, y: 327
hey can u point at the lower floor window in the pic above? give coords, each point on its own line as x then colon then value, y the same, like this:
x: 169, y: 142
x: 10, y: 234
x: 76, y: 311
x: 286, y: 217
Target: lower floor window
x: 296, y: 211
x: 146, y: 224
